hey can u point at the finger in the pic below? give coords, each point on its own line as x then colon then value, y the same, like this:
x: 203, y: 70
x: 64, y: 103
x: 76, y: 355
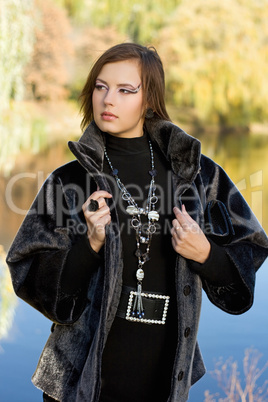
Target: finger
x: 104, y: 210
x: 100, y: 193
x: 97, y: 230
x: 185, y: 213
x: 93, y: 216
x: 176, y: 230
x: 97, y: 196
x: 192, y: 224
x: 181, y: 218
x: 184, y: 219
x: 175, y: 235
x: 101, y: 202
x: 107, y: 219
x: 102, y: 221
x: 176, y: 225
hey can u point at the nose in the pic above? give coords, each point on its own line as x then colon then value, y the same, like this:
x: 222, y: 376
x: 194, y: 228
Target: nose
x: 109, y: 98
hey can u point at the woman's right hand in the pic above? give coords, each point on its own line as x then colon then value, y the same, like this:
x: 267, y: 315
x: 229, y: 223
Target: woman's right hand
x: 97, y: 220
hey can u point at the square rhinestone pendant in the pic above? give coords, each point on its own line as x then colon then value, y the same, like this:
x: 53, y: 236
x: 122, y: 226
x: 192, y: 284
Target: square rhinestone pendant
x: 163, y: 298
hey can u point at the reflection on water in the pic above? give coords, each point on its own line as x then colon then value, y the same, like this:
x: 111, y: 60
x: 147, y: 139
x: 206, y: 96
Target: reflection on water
x: 244, y: 158
x: 8, y: 300
x: 19, y: 190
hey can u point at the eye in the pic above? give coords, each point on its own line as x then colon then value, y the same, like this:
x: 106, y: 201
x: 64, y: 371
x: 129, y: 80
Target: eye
x: 129, y: 91
x: 100, y: 87
x: 126, y: 91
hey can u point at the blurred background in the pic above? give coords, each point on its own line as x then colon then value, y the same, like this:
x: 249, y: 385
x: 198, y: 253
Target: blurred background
x: 215, y: 56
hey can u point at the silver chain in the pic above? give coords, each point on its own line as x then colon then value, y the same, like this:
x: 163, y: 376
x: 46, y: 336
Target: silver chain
x: 135, y: 211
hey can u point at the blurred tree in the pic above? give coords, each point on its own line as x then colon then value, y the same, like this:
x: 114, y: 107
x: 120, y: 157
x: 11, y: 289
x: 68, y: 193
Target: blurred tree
x: 90, y: 43
x: 216, y: 55
x: 74, y: 8
x: 47, y: 74
x: 140, y: 20
x: 16, y: 45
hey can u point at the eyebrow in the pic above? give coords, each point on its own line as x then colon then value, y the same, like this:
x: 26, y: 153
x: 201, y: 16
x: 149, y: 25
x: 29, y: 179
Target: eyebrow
x: 120, y: 85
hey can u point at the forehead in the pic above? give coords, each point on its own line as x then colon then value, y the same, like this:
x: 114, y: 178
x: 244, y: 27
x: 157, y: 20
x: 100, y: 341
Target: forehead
x: 121, y: 71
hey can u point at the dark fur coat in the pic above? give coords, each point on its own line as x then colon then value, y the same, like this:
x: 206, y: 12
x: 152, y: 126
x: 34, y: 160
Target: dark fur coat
x: 70, y: 365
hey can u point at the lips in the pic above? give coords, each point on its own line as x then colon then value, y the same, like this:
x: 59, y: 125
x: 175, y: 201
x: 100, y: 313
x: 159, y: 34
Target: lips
x: 108, y: 116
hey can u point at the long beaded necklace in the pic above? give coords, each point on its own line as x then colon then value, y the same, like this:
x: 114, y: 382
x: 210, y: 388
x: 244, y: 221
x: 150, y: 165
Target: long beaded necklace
x: 135, y: 211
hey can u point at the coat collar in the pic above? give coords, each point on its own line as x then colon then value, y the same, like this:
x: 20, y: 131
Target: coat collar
x: 180, y: 149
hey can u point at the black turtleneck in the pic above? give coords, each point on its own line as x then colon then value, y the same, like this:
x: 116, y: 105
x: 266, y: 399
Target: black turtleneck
x: 141, y: 354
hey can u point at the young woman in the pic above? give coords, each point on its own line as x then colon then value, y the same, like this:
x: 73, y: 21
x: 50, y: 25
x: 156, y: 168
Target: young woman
x: 118, y: 244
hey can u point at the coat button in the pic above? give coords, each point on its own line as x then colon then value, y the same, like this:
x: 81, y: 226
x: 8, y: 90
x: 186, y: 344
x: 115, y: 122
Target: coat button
x: 187, y: 332
x: 180, y: 375
x: 186, y: 290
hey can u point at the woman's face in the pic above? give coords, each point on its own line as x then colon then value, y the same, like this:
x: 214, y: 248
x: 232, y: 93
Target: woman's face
x: 117, y: 99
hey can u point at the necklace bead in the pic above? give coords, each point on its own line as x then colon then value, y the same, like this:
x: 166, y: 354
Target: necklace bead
x: 153, y: 215
x: 132, y: 210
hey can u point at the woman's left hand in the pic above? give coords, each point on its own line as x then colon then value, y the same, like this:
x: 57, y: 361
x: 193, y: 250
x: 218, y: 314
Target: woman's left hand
x: 188, y: 239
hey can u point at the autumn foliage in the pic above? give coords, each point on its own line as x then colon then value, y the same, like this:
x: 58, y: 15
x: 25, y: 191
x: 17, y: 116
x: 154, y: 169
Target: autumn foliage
x: 48, y: 72
x: 216, y: 59
x: 215, y: 53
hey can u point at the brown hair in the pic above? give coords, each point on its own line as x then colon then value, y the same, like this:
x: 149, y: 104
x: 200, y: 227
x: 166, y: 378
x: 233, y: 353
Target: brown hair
x: 152, y: 78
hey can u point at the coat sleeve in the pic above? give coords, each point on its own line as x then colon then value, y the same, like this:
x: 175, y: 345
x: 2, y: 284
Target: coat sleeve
x: 248, y: 247
x: 38, y: 255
